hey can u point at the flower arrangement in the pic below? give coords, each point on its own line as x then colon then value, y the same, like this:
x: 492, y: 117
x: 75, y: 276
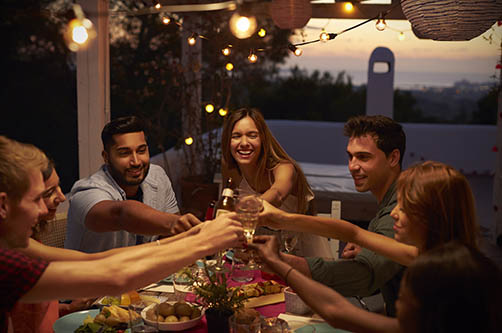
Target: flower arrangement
x: 213, y: 292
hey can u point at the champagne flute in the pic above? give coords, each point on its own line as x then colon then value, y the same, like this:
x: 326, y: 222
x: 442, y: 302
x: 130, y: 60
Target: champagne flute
x: 248, y: 208
x: 289, y: 239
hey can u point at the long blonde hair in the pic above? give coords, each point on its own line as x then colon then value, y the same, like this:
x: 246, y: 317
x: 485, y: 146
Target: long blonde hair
x: 271, y: 155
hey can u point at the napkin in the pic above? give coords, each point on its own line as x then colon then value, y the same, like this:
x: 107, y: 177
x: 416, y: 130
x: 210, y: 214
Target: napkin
x: 163, y: 288
x: 320, y: 325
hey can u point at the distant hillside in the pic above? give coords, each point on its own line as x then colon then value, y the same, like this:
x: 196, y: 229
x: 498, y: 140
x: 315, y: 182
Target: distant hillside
x: 457, y: 104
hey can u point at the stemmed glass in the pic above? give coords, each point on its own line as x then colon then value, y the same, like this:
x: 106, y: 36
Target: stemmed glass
x: 289, y: 239
x: 248, y: 207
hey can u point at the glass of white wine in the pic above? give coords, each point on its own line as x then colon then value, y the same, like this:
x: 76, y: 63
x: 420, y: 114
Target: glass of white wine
x: 248, y: 207
x: 289, y: 240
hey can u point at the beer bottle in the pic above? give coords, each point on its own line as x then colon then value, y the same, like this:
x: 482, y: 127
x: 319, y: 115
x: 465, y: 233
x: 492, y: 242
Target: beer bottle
x: 226, y: 203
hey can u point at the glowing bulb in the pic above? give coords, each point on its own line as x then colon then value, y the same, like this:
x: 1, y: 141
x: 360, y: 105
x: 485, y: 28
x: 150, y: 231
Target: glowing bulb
x: 226, y: 51
x: 262, y: 32
x: 223, y: 112
x: 348, y: 7
x: 79, y: 35
x: 324, y: 37
x: 229, y: 66
x: 252, y: 58
x: 380, y: 25
x: 296, y: 51
x: 209, y: 108
x: 189, y: 141
x: 242, y: 26
x: 191, y: 40
x: 166, y: 20
x: 401, y: 36
x: 157, y: 6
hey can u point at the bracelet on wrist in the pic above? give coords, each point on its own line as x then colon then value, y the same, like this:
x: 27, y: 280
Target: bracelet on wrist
x: 287, y: 274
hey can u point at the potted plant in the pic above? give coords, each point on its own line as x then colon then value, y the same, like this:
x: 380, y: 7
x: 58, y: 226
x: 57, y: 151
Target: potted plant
x: 213, y: 292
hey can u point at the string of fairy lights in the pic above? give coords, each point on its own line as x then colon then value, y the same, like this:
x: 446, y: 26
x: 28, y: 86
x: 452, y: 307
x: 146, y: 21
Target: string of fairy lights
x: 80, y: 31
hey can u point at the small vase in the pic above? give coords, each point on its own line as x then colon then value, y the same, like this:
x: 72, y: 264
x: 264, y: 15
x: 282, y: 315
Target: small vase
x: 217, y: 321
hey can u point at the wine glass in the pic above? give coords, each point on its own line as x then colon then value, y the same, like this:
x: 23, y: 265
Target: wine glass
x: 289, y: 239
x: 248, y: 207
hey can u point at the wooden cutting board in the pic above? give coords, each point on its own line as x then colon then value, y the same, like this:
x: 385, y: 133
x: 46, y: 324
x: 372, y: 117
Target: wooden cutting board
x: 255, y: 302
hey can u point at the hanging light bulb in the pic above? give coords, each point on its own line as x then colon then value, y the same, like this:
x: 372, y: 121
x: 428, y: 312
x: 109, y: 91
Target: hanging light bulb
x: 192, y: 40
x: 380, y: 23
x: 189, y: 141
x: 209, y: 108
x: 166, y: 20
x: 158, y: 5
x: 252, y: 57
x: 401, y: 36
x: 242, y: 26
x: 296, y: 51
x: 226, y: 51
x: 262, y: 32
x: 79, y: 31
x: 348, y: 6
x: 229, y: 66
x: 223, y: 112
x: 324, y: 37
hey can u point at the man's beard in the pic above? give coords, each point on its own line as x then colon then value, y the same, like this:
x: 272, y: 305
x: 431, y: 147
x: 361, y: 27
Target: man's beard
x: 121, y: 178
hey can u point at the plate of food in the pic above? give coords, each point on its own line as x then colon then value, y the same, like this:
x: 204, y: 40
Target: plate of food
x: 172, y: 316
x: 72, y: 321
x: 110, y: 319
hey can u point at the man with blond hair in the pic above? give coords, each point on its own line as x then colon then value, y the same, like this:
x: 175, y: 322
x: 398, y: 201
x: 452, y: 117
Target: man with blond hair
x: 32, y: 272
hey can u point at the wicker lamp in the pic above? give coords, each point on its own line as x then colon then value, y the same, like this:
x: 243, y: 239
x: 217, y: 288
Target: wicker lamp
x: 451, y: 20
x: 291, y: 14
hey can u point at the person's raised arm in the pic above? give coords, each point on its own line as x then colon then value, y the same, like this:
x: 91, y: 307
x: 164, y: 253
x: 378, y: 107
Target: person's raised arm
x: 36, y: 249
x: 134, y: 268
x: 339, y: 229
x: 329, y: 304
x: 284, y: 179
x: 136, y: 217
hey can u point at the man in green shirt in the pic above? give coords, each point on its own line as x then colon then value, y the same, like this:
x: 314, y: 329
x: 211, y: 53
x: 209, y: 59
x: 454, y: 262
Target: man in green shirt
x: 375, y: 150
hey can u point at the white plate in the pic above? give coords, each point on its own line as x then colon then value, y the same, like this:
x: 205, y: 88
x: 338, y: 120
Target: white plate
x: 179, y: 326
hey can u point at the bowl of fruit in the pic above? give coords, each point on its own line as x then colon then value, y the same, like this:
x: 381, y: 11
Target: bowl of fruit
x: 172, y: 316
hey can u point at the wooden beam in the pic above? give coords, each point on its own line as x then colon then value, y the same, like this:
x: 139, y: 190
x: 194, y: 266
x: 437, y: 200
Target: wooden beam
x: 336, y: 10
x: 361, y: 11
x: 93, y: 89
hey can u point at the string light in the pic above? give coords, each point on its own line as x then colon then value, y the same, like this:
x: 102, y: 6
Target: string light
x: 262, y: 32
x: 229, y: 66
x: 209, y: 108
x: 189, y: 141
x: 401, y: 36
x: 166, y: 20
x: 192, y: 40
x: 348, y: 7
x: 223, y: 112
x: 80, y: 30
x: 242, y: 26
x: 226, y: 51
x: 252, y: 57
x: 296, y: 51
x: 380, y: 23
x: 324, y: 37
